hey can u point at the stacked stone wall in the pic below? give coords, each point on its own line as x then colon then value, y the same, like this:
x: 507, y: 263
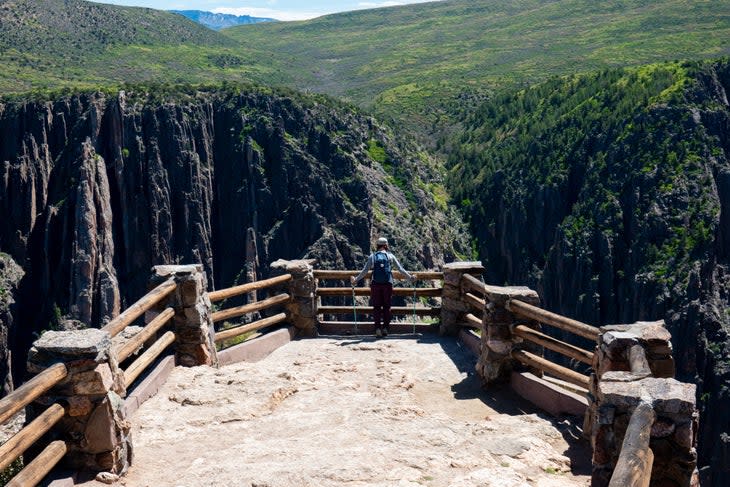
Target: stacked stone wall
x: 95, y: 427
x: 633, y: 365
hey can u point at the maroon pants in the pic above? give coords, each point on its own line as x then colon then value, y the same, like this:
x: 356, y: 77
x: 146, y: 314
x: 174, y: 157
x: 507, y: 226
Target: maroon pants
x: 380, y: 295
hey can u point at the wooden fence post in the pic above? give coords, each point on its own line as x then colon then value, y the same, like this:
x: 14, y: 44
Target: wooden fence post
x: 94, y: 428
x: 194, y: 331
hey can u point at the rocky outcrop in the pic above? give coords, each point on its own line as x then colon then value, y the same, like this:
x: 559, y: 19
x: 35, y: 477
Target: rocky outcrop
x: 10, y: 276
x: 98, y: 188
x: 94, y: 288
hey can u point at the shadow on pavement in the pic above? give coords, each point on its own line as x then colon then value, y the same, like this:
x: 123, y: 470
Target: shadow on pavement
x: 504, y: 400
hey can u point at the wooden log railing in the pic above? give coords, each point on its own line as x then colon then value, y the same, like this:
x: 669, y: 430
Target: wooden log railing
x: 277, y: 300
x: 475, y: 302
x: 473, y: 284
x: 395, y: 310
x: 634, y: 465
x: 222, y: 294
x: 553, y: 344
x: 638, y: 362
x: 569, y: 375
x: 365, y: 291
x: 138, y: 340
x: 471, y: 321
x: 134, y: 344
x: 31, y: 390
x: 144, y: 304
x: 347, y: 292
x: 345, y: 275
x: 250, y: 308
x: 531, y: 312
x: 41, y: 465
x: 34, y: 472
x: 475, y: 288
x: 145, y: 360
x: 255, y: 326
x: 23, y: 439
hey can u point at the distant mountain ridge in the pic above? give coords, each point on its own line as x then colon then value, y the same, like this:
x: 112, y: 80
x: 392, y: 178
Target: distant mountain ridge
x: 217, y: 21
x: 78, y: 28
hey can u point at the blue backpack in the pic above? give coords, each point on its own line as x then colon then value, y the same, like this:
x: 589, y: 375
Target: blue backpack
x: 381, y: 268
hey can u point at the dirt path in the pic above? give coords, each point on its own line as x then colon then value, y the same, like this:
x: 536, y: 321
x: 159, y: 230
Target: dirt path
x: 329, y: 412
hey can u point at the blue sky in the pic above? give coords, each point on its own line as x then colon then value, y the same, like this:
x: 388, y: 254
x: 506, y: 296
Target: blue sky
x: 278, y: 9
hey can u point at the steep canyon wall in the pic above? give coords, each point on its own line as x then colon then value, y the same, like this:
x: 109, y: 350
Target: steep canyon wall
x: 97, y: 188
x: 609, y: 193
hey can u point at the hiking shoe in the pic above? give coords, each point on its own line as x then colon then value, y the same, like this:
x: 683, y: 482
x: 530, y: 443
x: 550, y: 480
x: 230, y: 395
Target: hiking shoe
x: 378, y: 332
x: 385, y: 332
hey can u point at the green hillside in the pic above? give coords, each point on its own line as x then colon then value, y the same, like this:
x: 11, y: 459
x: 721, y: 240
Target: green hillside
x: 405, y: 59
x: 609, y: 192
x: 54, y: 43
x: 418, y: 63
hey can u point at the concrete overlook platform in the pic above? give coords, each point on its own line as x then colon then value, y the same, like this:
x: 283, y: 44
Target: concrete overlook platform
x: 350, y: 411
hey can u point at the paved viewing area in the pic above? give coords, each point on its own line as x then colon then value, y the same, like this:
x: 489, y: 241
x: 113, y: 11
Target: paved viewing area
x: 350, y: 411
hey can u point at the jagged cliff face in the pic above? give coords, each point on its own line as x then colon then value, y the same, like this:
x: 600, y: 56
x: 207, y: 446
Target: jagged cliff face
x: 615, y: 206
x: 95, y: 189
x: 10, y: 275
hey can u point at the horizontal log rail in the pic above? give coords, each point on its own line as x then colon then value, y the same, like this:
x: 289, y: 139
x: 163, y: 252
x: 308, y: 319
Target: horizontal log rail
x: 473, y: 284
x: 256, y: 325
x: 368, y: 327
x: 553, y: 344
x: 365, y: 291
x: 36, y: 470
x: 250, y: 308
x: 475, y: 302
x: 150, y: 299
x: 343, y: 275
x: 145, y: 334
x: 31, y: 390
x: 634, y: 465
x: 545, y: 365
x: 372, y: 323
x: 396, y: 310
x: 150, y: 355
x: 473, y: 322
x: 531, y: 312
x: 248, y: 287
x: 638, y: 362
x: 23, y: 439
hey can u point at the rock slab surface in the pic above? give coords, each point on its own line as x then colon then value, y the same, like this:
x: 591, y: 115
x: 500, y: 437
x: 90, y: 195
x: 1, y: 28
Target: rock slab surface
x: 356, y: 412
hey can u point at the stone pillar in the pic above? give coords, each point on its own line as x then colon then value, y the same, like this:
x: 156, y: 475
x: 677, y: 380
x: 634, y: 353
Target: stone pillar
x: 613, y: 351
x: 94, y: 427
x: 495, y: 360
x: 302, y: 308
x: 620, y: 382
x: 194, y: 331
x: 453, y: 307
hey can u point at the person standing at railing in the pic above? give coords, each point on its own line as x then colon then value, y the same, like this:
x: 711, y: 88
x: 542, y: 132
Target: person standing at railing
x: 381, y: 284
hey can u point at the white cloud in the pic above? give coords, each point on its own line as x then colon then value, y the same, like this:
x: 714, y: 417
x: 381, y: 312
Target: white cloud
x: 269, y: 13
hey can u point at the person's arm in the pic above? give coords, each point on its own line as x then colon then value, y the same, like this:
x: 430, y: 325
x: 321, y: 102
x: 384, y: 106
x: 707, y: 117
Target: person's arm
x: 368, y: 265
x: 400, y: 268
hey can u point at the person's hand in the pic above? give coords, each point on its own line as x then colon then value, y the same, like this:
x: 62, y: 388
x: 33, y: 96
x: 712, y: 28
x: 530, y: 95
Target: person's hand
x: 352, y: 281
